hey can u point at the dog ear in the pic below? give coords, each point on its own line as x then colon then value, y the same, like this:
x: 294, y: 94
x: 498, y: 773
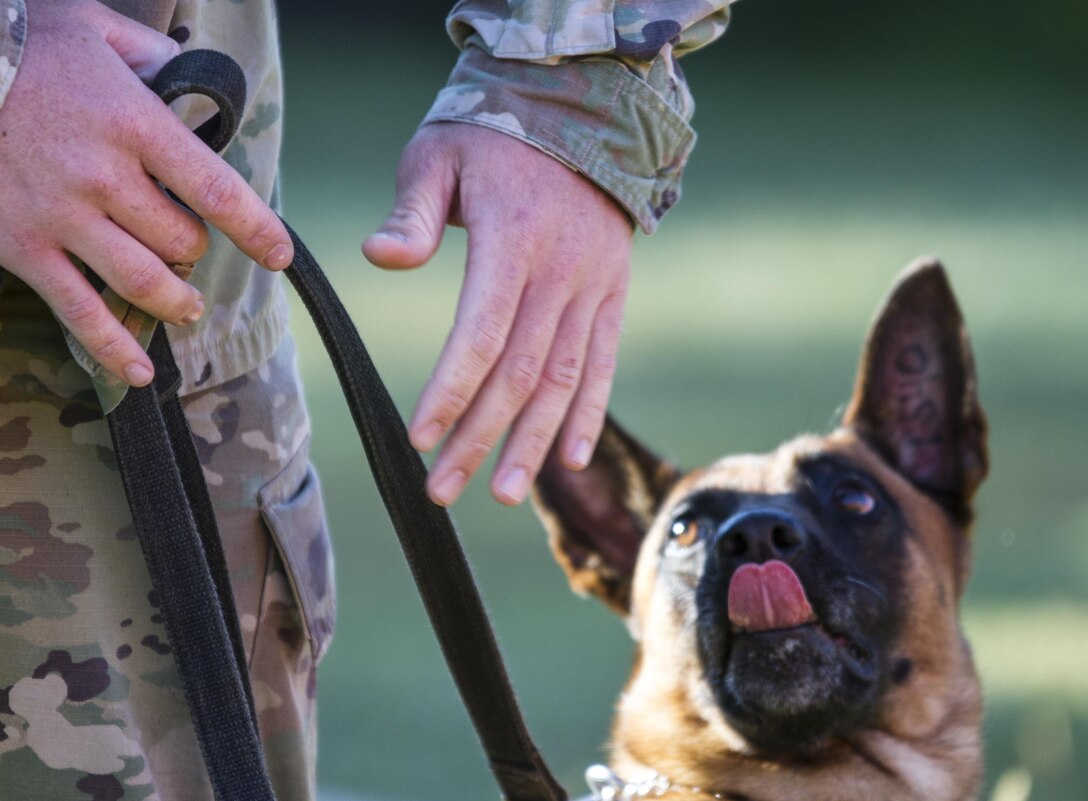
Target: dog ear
x: 915, y: 398
x: 597, y: 517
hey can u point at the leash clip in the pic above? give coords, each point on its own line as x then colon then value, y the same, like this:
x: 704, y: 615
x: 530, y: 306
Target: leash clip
x: 605, y: 785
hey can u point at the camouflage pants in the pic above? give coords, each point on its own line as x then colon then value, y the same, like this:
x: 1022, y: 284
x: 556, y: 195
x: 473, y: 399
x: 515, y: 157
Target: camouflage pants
x: 90, y: 703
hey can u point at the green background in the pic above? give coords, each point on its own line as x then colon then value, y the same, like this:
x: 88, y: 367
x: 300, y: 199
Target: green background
x: 838, y: 141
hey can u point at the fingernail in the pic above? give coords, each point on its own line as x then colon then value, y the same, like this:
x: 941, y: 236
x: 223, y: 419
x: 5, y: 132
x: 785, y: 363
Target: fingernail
x: 427, y: 437
x: 582, y: 453
x: 195, y: 312
x: 515, y: 485
x: 389, y: 235
x: 277, y: 258
x: 449, y: 488
x: 137, y: 374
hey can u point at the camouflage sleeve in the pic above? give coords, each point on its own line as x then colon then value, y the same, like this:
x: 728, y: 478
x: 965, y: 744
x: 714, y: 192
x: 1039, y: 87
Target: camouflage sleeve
x: 12, y: 36
x: 592, y: 82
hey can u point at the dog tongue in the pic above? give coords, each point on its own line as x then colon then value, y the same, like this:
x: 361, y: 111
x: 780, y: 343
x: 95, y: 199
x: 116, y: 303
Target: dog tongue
x: 766, y: 597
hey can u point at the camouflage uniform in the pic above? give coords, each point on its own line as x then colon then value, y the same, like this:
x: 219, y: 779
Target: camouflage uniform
x: 90, y: 703
x: 595, y: 83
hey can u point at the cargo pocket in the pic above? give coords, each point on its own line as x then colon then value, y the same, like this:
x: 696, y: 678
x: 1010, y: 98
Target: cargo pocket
x: 292, y: 509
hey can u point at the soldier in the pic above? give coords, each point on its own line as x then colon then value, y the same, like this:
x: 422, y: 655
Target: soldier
x: 547, y: 94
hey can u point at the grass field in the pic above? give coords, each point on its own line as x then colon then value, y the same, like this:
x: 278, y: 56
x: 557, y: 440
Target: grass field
x: 745, y: 319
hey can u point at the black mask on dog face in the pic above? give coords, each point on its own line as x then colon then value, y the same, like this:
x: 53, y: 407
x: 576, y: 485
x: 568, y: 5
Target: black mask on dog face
x: 796, y: 599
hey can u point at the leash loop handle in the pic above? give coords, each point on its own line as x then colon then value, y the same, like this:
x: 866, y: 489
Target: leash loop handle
x: 215, y: 75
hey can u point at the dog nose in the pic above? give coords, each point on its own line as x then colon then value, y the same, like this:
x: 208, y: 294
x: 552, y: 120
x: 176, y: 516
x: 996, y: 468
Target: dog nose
x: 758, y: 536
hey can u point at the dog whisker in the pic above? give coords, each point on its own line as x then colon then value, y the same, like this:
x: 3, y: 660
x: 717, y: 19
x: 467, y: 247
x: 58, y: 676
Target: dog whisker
x: 869, y: 587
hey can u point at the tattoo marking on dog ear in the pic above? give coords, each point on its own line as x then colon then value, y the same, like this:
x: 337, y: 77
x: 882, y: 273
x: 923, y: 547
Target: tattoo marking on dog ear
x: 917, y: 411
x: 912, y: 359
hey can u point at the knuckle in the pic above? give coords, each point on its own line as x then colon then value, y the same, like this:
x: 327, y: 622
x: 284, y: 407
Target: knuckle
x: 520, y: 244
x: 563, y: 374
x: 103, y: 338
x: 603, y: 366
x: 106, y: 345
x: 533, y: 444
x: 411, y: 215
x: 593, y: 408
x: 475, y: 450
x: 143, y: 280
x: 128, y: 124
x: 513, y: 271
x: 80, y: 310
x: 566, y: 268
x: 487, y: 338
x: 218, y: 195
x: 266, y: 231
x: 188, y: 244
x: 99, y: 181
x: 521, y: 375
x: 96, y: 329
x: 452, y: 402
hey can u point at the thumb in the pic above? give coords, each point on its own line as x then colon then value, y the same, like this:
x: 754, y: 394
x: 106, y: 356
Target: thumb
x: 143, y: 49
x: 426, y: 182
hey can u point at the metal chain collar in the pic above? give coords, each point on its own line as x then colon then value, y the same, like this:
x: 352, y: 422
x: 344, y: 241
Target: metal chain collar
x: 607, y: 786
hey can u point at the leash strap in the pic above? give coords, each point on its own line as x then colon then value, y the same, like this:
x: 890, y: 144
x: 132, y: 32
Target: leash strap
x: 161, y: 473
x: 176, y: 527
x: 431, y: 546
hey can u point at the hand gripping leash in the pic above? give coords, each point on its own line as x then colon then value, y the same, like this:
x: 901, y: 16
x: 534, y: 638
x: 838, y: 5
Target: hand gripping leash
x: 172, y: 512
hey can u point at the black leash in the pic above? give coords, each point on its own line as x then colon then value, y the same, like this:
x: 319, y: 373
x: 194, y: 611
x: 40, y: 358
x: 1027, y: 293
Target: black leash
x: 180, y: 541
x: 177, y: 532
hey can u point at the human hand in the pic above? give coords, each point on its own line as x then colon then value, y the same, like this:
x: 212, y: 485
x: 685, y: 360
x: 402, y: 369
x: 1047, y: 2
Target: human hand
x: 82, y: 143
x: 534, y: 342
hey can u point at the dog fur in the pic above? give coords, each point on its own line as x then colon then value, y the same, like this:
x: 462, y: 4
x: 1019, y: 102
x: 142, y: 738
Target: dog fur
x: 876, y: 698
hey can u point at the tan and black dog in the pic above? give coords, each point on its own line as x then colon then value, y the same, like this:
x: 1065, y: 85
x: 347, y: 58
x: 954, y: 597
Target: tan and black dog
x: 796, y: 612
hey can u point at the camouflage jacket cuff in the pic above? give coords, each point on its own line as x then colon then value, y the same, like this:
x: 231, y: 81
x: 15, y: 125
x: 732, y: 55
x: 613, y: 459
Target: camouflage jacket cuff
x: 12, y: 36
x: 595, y: 115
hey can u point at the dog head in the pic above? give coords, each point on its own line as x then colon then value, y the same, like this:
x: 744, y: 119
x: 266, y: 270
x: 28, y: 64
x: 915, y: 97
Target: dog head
x: 796, y: 612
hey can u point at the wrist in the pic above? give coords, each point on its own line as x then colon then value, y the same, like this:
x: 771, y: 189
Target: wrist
x: 596, y: 116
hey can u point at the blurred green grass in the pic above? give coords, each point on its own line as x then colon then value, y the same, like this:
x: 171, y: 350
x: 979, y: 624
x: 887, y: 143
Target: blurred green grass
x: 809, y: 191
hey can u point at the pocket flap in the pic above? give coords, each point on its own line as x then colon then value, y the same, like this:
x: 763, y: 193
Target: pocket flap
x: 295, y: 515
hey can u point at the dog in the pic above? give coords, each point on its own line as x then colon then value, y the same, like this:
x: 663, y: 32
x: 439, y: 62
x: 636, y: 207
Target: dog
x: 795, y: 613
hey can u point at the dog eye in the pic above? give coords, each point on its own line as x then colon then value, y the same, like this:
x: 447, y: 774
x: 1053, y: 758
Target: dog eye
x: 853, y: 499
x: 684, y: 531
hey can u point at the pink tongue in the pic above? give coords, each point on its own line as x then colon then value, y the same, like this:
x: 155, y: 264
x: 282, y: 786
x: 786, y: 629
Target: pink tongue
x: 766, y: 597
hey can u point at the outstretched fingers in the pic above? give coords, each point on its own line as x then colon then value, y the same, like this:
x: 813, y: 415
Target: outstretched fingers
x: 533, y: 346
x: 588, y: 409
x: 491, y: 300
x: 535, y: 429
x: 508, y: 387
